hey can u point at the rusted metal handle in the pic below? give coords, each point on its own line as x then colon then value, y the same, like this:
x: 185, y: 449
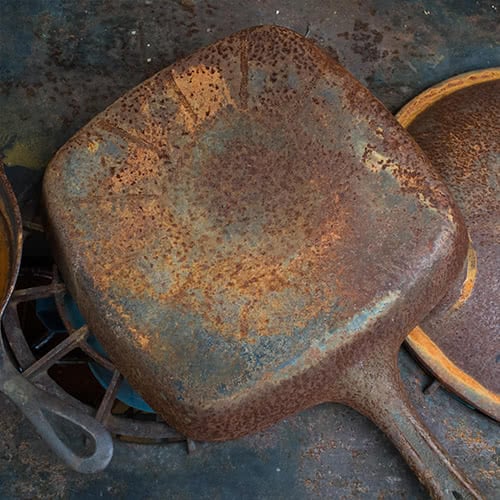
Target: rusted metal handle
x: 433, y: 466
x: 378, y: 393
x: 36, y: 405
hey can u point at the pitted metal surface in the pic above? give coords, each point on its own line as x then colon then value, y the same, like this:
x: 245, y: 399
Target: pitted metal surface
x: 227, y: 234
x: 286, y: 270
x: 64, y: 62
x: 457, y: 125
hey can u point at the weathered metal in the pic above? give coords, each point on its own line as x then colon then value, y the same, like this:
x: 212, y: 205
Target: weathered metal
x: 36, y: 370
x: 457, y: 124
x: 33, y: 402
x: 250, y: 233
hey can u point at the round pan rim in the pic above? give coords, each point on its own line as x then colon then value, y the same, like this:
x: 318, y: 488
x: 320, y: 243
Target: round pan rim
x: 425, y: 349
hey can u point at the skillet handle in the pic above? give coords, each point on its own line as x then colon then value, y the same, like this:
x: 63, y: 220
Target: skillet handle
x: 36, y: 404
x: 379, y: 395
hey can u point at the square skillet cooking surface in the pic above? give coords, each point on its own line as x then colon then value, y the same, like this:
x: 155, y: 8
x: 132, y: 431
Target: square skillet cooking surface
x: 232, y: 221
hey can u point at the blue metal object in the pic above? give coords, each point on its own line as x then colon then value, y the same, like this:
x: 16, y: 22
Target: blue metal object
x: 47, y: 313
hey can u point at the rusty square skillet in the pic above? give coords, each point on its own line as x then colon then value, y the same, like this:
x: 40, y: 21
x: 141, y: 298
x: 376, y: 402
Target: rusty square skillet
x: 250, y: 233
x: 457, y: 124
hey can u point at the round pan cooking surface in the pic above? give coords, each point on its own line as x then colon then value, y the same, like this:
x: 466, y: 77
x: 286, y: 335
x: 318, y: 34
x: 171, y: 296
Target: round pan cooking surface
x: 457, y: 124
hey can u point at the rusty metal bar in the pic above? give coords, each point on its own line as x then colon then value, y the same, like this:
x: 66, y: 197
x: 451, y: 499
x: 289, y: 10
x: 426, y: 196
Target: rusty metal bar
x: 87, y: 349
x: 37, y: 292
x: 432, y: 387
x: 123, y: 426
x: 67, y: 345
x: 59, y: 300
x: 106, y: 405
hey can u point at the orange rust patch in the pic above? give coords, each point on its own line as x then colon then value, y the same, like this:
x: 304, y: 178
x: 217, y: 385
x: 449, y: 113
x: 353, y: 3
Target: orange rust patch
x: 204, y: 91
x: 419, y: 104
x: 470, y: 278
x: 445, y: 369
x: 143, y: 341
x: 473, y: 438
x: 434, y: 356
x: 93, y: 146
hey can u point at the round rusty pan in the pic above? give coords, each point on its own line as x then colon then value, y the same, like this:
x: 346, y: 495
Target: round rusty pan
x: 11, y: 240
x: 457, y: 124
x: 249, y: 233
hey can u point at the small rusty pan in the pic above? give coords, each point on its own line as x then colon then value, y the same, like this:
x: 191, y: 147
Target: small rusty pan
x: 36, y: 404
x: 457, y: 124
x: 250, y: 233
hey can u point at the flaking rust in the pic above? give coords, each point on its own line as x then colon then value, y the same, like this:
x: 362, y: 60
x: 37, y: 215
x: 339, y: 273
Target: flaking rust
x: 457, y: 125
x: 238, y: 257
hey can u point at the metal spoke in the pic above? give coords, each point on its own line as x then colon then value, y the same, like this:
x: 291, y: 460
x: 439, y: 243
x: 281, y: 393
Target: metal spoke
x: 106, y: 363
x: 59, y: 299
x: 67, y: 345
x: 37, y: 292
x: 37, y: 369
x: 432, y: 387
x: 106, y: 405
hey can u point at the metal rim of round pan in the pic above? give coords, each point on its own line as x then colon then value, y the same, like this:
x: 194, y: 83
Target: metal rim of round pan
x: 422, y: 346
